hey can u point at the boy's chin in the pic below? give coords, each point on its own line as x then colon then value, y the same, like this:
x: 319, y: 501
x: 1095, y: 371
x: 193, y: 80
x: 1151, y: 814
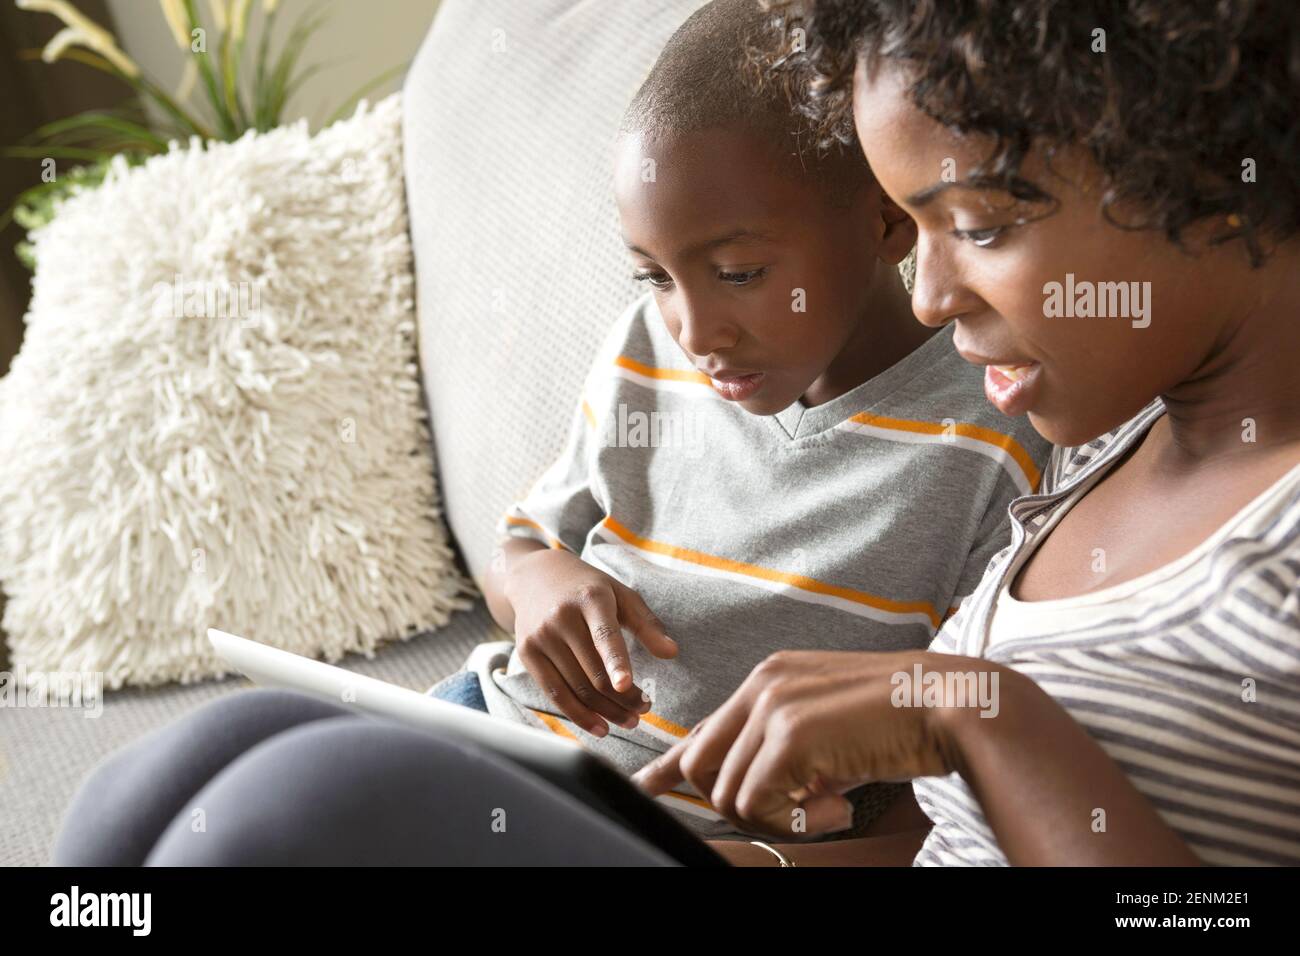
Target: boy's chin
x: 764, y: 405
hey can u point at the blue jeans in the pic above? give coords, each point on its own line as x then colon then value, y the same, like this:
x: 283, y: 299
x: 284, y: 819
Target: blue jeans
x: 462, y: 688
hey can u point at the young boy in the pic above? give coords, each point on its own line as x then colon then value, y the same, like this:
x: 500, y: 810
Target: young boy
x: 769, y: 453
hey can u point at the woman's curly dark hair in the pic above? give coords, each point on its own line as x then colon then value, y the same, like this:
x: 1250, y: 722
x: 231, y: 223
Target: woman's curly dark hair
x: 1188, y: 98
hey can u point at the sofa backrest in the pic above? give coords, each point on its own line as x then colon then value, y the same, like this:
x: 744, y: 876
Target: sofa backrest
x: 511, y: 110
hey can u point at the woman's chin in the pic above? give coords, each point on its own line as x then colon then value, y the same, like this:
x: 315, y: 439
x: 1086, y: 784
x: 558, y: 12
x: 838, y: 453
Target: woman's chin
x: 1070, y: 430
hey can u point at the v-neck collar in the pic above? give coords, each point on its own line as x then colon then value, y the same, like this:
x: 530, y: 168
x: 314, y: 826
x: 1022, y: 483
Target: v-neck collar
x: 798, y: 421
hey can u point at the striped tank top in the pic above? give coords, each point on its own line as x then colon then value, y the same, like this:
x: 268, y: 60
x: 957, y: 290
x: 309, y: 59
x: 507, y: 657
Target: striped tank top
x: 1188, y: 677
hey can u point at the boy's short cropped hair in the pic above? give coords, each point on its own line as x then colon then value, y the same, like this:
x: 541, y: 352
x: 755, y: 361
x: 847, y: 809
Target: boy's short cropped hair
x: 710, y: 75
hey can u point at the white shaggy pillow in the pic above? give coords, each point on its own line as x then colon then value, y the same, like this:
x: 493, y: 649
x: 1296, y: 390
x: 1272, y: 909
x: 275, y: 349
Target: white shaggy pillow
x: 215, y: 418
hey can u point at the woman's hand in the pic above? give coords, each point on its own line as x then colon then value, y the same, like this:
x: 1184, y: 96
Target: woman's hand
x: 805, y: 727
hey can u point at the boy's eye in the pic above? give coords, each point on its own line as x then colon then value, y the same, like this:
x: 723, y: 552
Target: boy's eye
x: 741, y: 278
x: 657, y: 280
x: 980, y: 237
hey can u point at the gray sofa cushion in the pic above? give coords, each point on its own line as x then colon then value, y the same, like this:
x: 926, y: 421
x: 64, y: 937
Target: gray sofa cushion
x: 510, y: 114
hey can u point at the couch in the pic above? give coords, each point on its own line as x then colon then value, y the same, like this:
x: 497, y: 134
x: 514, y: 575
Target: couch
x: 510, y: 109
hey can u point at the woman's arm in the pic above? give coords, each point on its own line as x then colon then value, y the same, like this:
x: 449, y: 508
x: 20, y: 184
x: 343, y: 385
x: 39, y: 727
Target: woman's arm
x: 807, y: 726
x: 1050, y: 793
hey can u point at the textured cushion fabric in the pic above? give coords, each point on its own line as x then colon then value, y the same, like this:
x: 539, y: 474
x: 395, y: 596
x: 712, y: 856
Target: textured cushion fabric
x: 215, y: 419
x: 511, y: 111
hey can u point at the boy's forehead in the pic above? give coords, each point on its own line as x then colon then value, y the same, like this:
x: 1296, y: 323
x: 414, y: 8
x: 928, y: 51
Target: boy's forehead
x: 695, y: 150
x: 717, y: 175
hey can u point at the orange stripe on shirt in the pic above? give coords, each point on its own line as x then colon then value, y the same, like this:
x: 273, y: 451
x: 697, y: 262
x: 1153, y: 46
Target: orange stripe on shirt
x: 976, y: 432
x: 591, y: 416
x: 514, y: 521
x: 667, y: 726
x: 800, y: 581
x: 555, y: 726
x: 688, y: 798
x: 672, y: 374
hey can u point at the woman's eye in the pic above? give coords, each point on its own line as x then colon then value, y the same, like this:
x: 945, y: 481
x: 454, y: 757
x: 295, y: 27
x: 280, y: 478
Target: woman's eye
x: 741, y: 278
x: 657, y: 280
x: 980, y: 237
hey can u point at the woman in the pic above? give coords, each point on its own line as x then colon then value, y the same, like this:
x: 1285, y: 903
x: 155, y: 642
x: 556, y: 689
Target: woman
x: 1107, y: 205
x: 1144, y: 625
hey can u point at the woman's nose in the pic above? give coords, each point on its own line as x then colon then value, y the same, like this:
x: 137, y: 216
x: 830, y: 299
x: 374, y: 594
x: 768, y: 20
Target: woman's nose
x: 938, y: 293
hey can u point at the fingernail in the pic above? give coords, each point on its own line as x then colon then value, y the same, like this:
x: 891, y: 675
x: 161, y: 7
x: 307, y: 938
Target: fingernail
x: 598, y: 730
x: 620, y: 678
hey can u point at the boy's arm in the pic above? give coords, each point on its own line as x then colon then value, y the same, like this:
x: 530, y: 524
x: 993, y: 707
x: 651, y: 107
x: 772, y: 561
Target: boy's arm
x: 569, y: 618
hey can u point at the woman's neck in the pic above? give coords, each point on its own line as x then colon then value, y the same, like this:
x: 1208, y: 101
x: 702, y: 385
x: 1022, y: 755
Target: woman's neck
x: 1245, y: 397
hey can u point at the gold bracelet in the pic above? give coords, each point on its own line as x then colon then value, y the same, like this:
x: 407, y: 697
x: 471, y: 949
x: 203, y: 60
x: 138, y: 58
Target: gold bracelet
x: 785, y: 860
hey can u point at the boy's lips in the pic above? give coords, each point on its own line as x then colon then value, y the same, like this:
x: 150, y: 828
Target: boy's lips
x: 735, y: 386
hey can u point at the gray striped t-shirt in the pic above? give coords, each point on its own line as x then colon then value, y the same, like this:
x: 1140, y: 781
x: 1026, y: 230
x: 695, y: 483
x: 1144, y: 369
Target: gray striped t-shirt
x: 857, y: 524
x: 1188, y: 677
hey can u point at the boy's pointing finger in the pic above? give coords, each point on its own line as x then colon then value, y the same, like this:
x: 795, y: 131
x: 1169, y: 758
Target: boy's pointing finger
x: 600, y: 610
x: 643, y: 624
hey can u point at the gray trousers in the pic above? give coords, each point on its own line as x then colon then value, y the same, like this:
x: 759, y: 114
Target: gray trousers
x: 272, y: 777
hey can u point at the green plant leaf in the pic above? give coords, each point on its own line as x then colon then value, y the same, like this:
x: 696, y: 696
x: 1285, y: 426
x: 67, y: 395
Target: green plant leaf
x: 259, y: 77
x: 83, y: 124
x: 305, y: 27
x: 51, y: 151
x: 216, y: 101
x: 142, y: 85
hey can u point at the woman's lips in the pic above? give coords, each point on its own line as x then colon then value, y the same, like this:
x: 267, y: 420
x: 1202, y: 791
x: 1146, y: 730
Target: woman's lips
x: 1012, y: 388
x: 736, y: 388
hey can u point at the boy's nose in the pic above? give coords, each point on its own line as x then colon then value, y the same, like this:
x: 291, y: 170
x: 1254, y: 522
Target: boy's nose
x: 702, y: 332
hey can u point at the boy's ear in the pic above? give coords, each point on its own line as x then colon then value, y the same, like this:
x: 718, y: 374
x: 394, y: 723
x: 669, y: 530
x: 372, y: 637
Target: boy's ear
x: 900, y: 231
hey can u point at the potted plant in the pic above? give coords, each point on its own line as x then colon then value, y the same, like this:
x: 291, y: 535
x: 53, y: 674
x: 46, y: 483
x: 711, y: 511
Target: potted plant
x: 246, y: 85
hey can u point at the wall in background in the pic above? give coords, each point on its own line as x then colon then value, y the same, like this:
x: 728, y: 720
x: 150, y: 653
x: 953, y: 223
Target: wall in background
x: 361, y: 40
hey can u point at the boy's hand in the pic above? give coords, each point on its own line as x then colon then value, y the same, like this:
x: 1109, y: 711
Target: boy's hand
x: 569, y: 620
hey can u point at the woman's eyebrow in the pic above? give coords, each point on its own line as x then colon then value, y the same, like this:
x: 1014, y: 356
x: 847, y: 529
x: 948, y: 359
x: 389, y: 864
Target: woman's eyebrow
x: 928, y: 194
x: 1024, y: 191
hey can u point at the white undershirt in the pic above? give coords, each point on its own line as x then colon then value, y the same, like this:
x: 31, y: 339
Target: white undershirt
x: 1013, y: 619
